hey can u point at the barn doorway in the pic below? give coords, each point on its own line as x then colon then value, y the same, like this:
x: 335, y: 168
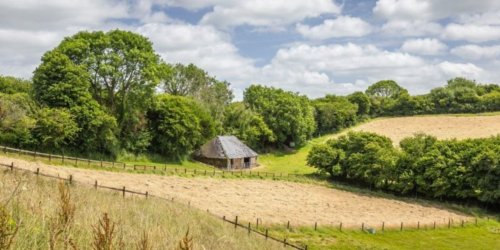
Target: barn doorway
x: 246, y: 162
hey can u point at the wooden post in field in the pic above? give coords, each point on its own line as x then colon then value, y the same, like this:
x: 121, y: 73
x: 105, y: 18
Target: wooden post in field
x: 147, y: 194
x: 267, y: 233
x: 37, y: 171
x: 12, y: 167
x: 70, y: 179
x: 50, y: 158
x: 476, y: 221
x: 401, y: 226
x: 462, y: 223
x: 236, y: 222
x: 315, y: 226
x: 288, y: 225
x: 95, y: 184
x: 383, y: 225
x: 123, y: 191
x: 340, y: 226
x: 449, y: 223
x: 418, y: 225
x: 434, y: 227
x: 257, y: 223
x: 363, y: 226
x: 248, y: 227
x: 284, y: 242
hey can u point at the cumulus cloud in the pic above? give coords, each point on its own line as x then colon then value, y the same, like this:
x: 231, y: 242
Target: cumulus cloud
x: 267, y: 13
x: 202, y: 45
x: 411, y: 28
x: 475, y: 52
x: 343, y: 26
x: 472, y: 32
x: 431, y: 9
x: 426, y: 46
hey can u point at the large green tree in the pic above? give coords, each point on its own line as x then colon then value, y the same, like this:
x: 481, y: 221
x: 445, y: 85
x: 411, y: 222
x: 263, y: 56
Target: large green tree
x: 289, y: 115
x: 248, y: 126
x: 196, y: 83
x: 178, y: 125
x: 118, y: 69
x: 334, y: 113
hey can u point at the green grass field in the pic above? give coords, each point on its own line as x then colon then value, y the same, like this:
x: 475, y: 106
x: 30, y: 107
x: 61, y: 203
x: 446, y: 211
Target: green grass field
x: 486, y: 235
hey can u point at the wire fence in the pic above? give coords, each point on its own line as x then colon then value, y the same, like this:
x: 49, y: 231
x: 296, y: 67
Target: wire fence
x: 155, y: 168
x: 123, y: 190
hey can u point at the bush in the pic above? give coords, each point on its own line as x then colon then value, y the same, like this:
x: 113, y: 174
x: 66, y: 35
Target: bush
x: 448, y: 169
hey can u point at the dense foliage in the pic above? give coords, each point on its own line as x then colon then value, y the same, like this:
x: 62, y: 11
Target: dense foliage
x: 248, y: 126
x: 99, y: 92
x: 334, y: 113
x: 447, y: 169
x: 290, y: 116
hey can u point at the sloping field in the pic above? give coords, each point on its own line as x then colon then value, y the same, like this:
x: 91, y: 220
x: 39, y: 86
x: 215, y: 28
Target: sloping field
x: 441, y: 126
x: 271, y: 201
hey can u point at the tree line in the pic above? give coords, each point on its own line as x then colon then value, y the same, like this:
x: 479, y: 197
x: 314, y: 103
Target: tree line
x: 424, y: 166
x: 109, y: 92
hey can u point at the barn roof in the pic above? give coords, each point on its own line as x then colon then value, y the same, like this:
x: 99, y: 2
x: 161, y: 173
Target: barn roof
x: 223, y: 147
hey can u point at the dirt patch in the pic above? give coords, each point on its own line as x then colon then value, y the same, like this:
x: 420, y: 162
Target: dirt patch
x: 443, y: 127
x: 271, y: 201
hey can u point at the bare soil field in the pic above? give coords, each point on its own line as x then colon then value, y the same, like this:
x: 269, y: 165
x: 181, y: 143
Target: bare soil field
x: 271, y: 201
x: 443, y: 127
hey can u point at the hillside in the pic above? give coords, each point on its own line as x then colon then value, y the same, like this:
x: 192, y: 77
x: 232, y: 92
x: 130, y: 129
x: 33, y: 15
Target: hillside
x: 441, y: 126
x: 35, y: 202
x: 273, y: 202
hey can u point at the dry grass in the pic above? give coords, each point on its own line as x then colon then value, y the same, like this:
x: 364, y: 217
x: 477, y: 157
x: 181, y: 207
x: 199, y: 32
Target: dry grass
x: 442, y: 126
x: 41, y: 201
x: 274, y: 202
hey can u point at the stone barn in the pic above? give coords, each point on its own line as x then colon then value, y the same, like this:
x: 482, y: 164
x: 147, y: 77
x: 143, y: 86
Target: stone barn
x: 227, y: 152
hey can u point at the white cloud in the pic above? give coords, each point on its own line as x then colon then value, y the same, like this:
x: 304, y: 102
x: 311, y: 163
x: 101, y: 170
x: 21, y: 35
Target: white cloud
x: 431, y: 9
x: 202, y: 45
x: 472, y: 32
x: 267, y: 13
x: 50, y: 14
x: 343, y: 26
x: 467, y: 70
x: 411, y: 28
x: 426, y: 46
x: 475, y: 52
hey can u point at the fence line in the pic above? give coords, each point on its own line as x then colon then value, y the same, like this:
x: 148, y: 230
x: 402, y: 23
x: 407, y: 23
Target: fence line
x: 161, y: 168
x: 341, y: 226
x: 146, y: 194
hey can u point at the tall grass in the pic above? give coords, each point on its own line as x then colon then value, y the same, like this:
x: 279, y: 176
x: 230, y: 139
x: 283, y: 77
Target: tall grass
x: 104, y: 218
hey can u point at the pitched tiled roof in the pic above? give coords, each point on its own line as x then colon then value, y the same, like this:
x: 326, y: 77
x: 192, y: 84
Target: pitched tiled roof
x: 223, y: 147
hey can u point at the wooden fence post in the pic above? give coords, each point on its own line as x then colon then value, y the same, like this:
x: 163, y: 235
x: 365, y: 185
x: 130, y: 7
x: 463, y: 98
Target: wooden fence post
x: 123, y: 191
x: 288, y: 225
x: 418, y: 225
x: 147, y: 194
x: 12, y: 167
x: 449, y: 223
x: 434, y: 227
x: 315, y: 226
x: 284, y: 242
x: 257, y: 223
x: 363, y: 226
x: 340, y: 226
x: 383, y: 225
x: 248, y: 227
x: 37, y: 171
x: 267, y: 233
x: 401, y: 226
x: 462, y: 223
x: 95, y: 184
x: 70, y: 179
x: 236, y: 222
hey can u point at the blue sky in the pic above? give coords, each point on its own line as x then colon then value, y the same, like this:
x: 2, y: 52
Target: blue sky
x: 314, y: 47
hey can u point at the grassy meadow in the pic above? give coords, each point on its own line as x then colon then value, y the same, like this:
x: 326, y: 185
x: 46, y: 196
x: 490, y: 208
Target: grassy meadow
x: 43, y: 217
x: 484, y: 236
